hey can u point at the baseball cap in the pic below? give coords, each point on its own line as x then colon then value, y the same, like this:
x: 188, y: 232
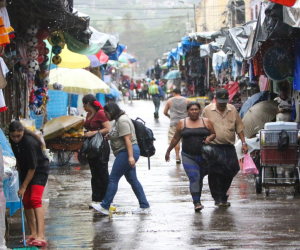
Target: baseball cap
x: 222, y: 96
x: 156, y: 81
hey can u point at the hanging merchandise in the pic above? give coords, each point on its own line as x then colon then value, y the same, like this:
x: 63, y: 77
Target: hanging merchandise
x: 46, y: 51
x: 5, y: 18
x: 56, y: 49
x: 32, y: 41
x: 32, y: 65
x: 2, y: 102
x: 56, y: 60
x: 32, y: 53
x: 38, y: 99
x: 278, y: 63
x: 32, y: 29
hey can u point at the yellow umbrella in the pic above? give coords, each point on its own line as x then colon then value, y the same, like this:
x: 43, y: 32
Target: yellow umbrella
x: 70, y: 59
x: 59, y: 125
x: 77, y: 81
x: 73, y: 60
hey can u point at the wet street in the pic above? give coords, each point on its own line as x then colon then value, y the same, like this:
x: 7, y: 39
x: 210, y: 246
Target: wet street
x: 252, y: 222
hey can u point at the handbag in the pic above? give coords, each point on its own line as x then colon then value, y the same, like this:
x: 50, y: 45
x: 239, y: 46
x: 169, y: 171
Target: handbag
x: 208, y: 153
x: 249, y: 166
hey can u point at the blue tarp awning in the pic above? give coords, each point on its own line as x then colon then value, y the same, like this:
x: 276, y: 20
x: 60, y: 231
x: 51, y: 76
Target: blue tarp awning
x: 115, y: 56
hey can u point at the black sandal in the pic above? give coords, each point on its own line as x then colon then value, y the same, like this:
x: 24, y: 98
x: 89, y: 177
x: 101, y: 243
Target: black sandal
x: 198, y: 207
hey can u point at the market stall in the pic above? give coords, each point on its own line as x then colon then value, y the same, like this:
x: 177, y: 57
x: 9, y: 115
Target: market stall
x: 64, y: 135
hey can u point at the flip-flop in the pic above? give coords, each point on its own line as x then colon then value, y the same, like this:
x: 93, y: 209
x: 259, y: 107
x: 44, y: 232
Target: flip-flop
x: 198, y: 207
x: 28, y: 240
x: 38, y: 243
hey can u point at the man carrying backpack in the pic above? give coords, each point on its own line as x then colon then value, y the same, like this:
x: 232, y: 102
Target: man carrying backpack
x: 156, y: 92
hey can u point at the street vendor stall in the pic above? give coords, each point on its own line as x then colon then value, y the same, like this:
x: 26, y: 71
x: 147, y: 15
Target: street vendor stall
x: 64, y: 134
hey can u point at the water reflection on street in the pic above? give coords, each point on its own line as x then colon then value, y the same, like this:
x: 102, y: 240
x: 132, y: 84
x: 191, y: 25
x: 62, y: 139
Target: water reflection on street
x: 252, y: 222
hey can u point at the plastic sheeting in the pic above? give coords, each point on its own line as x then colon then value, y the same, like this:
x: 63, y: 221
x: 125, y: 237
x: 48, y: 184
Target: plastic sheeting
x: 115, y: 56
x: 79, y: 47
x: 239, y: 39
x: 53, y: 14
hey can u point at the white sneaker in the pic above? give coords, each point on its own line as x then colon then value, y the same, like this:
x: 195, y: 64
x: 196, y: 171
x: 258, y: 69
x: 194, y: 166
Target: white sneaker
x: 100, y: 209
x: 142, y: 210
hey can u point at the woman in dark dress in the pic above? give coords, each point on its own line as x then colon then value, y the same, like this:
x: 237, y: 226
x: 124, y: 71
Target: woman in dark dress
x: 96, y: 121
x: 33, y: 167
x: 195, y: 132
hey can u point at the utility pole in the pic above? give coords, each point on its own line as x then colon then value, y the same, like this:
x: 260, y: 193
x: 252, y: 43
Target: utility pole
x: 195, y: 21
x: 233, y: 13
x: 204, y: 15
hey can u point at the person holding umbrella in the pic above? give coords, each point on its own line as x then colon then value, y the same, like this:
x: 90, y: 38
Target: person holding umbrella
x: 96, y: 121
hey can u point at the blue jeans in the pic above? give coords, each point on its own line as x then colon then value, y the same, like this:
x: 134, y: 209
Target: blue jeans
x: 121, y: 167
x: 156, y: 101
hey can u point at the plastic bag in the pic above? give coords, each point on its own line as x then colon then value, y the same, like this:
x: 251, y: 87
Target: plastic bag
x: 105, y: 151
x: 283, y: 141
x: 208, y: 153
x: 249, y: 166
x: 82, y: 158
x: 94, y: 145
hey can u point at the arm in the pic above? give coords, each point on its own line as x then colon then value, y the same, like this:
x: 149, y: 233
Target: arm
x: 240, y: 131
x: 25, y: 183
x: 175, y: 140
x: 211, y: 129
x: 104, y: 131
x: 128, y: 143
x: 167, y: 107
x: 244, y: 145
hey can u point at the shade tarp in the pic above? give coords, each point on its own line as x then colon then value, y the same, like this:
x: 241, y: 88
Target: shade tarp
x: 78, y: 81
x: 115, y: 56
x: 79, y: 47
x: 239, y: 39
x: 59, y: 125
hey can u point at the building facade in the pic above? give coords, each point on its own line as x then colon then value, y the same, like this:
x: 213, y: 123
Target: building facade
x: 216, y: 14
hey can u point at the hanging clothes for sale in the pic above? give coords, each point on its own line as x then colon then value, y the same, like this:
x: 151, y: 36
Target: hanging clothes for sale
x: 296, y: 82
x: 4, y: 15
x: 2, y: 102
x: 263, y: 83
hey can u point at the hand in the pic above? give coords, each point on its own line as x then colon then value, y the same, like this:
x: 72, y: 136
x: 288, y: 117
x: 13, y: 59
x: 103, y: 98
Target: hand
x: 21, y: 191
x: 207, y: 140
x: 89, y: 134
x: 280, y: 110
x: 131, y: 161
x: 244, y: 149
x: 107, y: 137
x: 167, y: 156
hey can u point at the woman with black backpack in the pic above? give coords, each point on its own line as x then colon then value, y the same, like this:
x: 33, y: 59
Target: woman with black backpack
x: 125, y: 147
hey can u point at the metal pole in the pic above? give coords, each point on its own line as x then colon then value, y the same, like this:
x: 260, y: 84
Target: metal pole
x: 195, y: 21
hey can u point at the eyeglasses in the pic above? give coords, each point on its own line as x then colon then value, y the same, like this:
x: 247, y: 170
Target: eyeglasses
x: 16, y: 136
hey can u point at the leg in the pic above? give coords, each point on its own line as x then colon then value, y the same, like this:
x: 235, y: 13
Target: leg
x: 99, y: 180
x: 36, y: 202
x: 216, y: 186
x: 29, y: 213
x: 177, y: 149
x: 195, y: 176
x: 120, y: 167
x: 134, y: 182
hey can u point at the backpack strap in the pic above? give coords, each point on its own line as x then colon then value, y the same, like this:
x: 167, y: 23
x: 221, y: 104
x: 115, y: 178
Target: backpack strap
x: 185, y: 123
